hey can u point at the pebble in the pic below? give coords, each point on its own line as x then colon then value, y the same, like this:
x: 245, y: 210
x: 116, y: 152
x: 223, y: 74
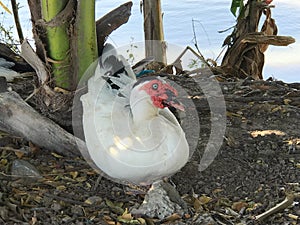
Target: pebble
x: 56, y: 207
x: 157, y: 204
x: 22, y: 168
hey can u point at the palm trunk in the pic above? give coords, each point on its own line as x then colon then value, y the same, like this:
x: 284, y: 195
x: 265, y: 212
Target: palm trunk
x: 58, y: 44
x: 85, y: 45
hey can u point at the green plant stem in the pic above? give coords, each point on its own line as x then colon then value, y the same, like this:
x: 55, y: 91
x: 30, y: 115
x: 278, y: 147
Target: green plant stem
x: 87, y: 51
x: 58, y: 43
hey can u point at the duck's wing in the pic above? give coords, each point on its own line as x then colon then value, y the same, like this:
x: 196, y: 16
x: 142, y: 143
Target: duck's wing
x: 105, y: 104
x: 109, y: 88
x: 116, y: 71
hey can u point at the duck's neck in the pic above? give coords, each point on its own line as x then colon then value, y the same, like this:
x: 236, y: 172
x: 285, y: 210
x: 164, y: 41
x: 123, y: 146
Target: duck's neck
x: 142, y: 109
x: 143, y: 112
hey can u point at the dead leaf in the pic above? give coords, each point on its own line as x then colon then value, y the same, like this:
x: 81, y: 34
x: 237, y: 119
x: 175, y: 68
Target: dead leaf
x: 61, y: 188
x: 197, y: 205
x: 237, y: 206
x: 232, y: 114
x: 286, y: 101
x: 114, y: 207
x: 109, y: 220
x: 256, y: 133
x: 93, y: 200
x: 277, y: 108
x: 74, y: 174
x: 126, y: 215
x: 294, y: 217
x: 142, y: 221
x: 56, y: 155
x: 34, y: 148
x: 81, y: 179
x: 5, y: 8
x: 34, y: 220
x: 19, y: 154
x: 61, y: 90
x: 3, y: 162
x: 204, y: 199
x: 173, y: 217
x: 187, y: 216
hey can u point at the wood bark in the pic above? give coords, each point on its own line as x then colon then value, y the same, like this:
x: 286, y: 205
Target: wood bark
x: 110, y: 22
x: 9, y: 55
x: 259, y: 38
x: 245, y: 54
x: 38, y: 31
x: 153, y: 29
x: 20, y: 119
x: 17, y: 20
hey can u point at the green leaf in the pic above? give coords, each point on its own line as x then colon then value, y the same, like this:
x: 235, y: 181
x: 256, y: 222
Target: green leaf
x: 235, y: 4
x: 114, y: 207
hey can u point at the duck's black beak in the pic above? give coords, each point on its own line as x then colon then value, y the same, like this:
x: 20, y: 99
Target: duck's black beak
x: 171, y: 100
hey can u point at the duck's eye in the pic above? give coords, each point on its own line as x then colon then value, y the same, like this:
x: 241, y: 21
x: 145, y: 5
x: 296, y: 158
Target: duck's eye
x: 154, y: 86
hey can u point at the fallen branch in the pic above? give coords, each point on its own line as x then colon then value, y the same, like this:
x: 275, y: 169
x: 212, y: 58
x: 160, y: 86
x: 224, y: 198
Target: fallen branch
x: 18, y: 118
x: 110, y: 22
x: 288, y: 201
x: 260, y: 38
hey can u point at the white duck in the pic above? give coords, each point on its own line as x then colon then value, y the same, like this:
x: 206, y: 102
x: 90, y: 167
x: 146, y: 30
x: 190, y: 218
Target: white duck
x: 130, y: 133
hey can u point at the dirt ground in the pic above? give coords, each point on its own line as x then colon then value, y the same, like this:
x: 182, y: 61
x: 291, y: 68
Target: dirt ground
x: 252, y: 172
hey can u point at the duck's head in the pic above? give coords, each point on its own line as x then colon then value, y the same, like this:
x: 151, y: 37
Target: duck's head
x: 157, y: 91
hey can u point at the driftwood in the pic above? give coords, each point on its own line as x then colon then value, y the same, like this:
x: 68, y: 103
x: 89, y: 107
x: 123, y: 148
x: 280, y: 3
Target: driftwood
x: 110, y: 22
x: 20, y: 119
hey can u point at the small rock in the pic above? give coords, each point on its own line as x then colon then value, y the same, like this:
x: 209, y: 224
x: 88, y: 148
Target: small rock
x: 66, y: 219
x: 4, y: 213
x: 157, y: 203
x: 56, y: 206
x: 77, y: 210
x: 205, y: 219
x: 93, y: 200
x: 23, y: 168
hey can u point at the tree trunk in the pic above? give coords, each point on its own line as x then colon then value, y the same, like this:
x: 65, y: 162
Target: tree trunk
x: 153, y: 29
x: 110, y: 22
x: 246, y: 46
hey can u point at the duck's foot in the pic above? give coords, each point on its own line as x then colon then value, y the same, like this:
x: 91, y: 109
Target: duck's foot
x: 132, y: 189
x: 162, y: 200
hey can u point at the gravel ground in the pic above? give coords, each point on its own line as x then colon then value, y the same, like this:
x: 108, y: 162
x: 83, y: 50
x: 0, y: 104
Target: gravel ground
x: 256, y: 168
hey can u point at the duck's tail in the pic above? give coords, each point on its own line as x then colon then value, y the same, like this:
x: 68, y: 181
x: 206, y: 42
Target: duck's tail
x: 114, y: 68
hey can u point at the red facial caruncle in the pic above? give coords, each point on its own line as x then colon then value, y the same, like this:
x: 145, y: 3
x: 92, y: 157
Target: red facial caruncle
x: 162, y: 94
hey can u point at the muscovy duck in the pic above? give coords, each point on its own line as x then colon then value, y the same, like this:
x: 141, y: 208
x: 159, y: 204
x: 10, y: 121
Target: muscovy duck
x: 130, y: 133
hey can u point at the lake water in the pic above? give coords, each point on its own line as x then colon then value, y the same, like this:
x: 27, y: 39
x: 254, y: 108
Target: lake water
x: 209, y: 17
